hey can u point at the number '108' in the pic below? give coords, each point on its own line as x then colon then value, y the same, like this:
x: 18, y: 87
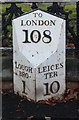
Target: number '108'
x: 35, y: 36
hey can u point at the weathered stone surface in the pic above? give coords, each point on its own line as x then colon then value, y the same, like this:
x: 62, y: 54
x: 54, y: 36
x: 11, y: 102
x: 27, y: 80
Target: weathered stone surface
x: 39, y: 55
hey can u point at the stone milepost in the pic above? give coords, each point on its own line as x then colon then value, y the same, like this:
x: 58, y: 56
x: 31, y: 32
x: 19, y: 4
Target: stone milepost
x: 39, y: 55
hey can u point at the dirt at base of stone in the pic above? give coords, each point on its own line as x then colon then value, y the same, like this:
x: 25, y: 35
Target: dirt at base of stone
x: 15, y: 107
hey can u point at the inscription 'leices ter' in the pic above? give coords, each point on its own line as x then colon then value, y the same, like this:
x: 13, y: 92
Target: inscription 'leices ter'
x: 50, y: 71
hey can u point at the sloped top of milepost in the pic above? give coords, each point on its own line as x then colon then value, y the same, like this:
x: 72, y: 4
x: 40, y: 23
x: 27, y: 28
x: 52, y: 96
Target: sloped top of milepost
x: 40, y: 10
x: 37, y: 35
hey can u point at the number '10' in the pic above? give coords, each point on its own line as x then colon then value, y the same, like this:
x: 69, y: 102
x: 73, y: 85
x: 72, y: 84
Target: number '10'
x: 35, y: 36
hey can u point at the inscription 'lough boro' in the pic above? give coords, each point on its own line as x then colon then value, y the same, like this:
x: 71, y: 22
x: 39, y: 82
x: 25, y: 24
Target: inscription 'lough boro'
x: 39, y: 55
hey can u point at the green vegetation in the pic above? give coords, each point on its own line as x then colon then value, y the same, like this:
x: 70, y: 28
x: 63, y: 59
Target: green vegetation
x: 43, y: 6
x: 25, y: 7
x: 4, y: 6
x: 0, y: 10
x: 71, y: 7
